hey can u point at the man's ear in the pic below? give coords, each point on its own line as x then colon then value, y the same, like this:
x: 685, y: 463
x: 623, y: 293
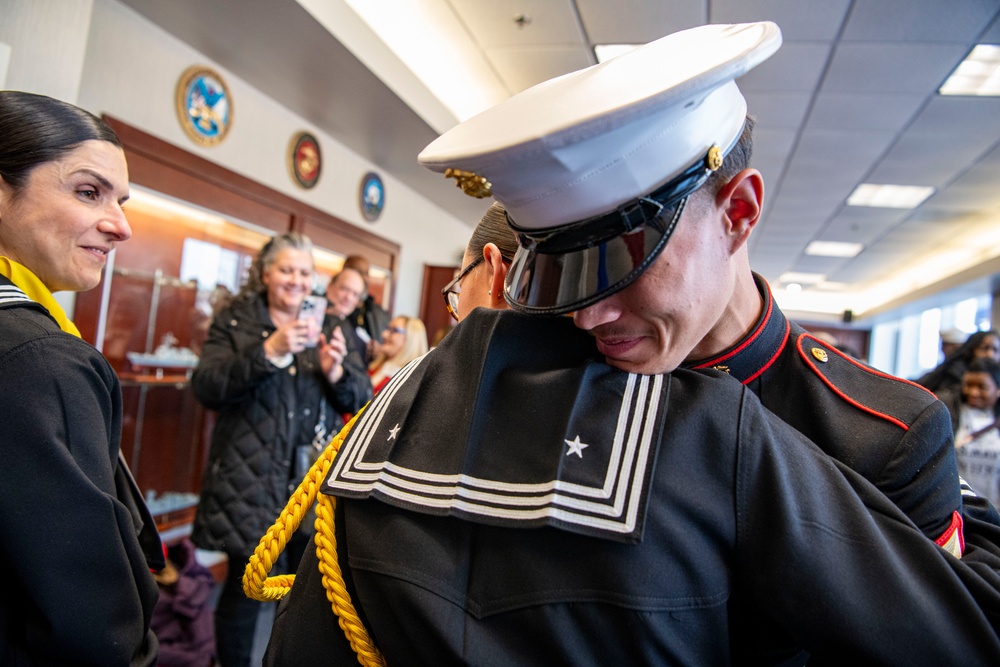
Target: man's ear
x: 742, y: 200
x: 498, y: 271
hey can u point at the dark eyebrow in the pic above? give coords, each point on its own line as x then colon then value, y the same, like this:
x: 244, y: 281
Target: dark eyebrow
x: 104, y: 183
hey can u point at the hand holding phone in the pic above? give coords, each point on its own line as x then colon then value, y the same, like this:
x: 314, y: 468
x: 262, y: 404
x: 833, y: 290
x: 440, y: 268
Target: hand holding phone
x: 312, y: 311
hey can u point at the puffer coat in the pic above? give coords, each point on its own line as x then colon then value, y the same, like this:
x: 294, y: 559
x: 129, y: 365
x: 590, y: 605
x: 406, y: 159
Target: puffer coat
x: 264, y: 412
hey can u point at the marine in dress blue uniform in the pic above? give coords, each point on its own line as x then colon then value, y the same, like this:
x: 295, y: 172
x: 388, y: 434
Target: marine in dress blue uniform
x: 466, y: 530
x: 510, y: 504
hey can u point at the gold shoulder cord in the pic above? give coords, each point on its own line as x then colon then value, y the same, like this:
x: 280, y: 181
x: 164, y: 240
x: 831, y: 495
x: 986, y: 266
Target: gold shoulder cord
x: 259, y: 586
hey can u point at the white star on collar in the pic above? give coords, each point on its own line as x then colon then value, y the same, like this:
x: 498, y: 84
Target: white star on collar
x: 575, y: 446
x: 394, y: 431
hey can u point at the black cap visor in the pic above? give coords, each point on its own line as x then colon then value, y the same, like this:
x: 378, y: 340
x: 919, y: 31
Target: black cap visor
x: 566, y: 268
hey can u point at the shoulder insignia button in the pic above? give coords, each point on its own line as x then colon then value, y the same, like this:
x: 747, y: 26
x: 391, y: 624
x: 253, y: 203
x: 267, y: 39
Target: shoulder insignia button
x: 820, y: 354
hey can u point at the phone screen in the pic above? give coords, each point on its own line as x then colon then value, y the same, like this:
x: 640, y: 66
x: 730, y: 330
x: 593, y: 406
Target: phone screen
x: 313, y: 309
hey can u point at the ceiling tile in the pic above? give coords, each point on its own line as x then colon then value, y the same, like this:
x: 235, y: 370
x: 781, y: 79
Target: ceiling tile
x: 972, y: 117
x: 992, y: 34
x: 918, y: 20
x: 815, y: 264
x: 926, y: 158
x: 863, y: 111
x: 976, y: 189
x: 638, y: 21
x: 891, y: 68
x: 799, y: 20
x: 861, y: 225
x: 797, y: 66
x: 777, y: 110
x: 492, y: 24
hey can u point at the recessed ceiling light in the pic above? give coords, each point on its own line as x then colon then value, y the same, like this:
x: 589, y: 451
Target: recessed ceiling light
x: 605, y: 52
x: 978, y: 74
x: 889, y: 196
x: 833, y: 249
x: 801, y: 278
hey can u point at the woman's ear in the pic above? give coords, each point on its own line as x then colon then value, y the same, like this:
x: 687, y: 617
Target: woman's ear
x: 497, y: 272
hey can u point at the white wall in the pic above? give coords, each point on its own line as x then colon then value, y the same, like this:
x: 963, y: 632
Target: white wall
x: 4, y: 63
x: 111, y: 60
x: 47, y: 39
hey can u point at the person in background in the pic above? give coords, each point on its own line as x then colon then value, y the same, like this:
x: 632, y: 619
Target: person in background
x: 403, y: 340
x: 975, y: 411
x: 76, y: 540
x: 368, y: 316
x: 486, y: 261
x: 343, y: 294
x: 279, y: 385
x: 951, y: 340
x: 947, y: 376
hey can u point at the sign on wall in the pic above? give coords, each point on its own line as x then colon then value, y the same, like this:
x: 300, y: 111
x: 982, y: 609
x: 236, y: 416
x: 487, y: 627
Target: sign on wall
x: 372, y: 196
x: 204, y: 106
x: 304, y: 160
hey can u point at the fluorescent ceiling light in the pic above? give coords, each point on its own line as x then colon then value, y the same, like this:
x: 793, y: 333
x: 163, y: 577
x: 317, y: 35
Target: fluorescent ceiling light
x: 889, y: 196
x: 429, y: 38
x: 801, y: 278
x: 833, y: 249
x: 605, y: 52
x: 978, y: 74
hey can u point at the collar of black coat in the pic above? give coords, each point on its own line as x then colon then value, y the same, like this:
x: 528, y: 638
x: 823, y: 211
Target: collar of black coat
x: 754, y: 353
x: 12, y: 296
x: 513, y: 420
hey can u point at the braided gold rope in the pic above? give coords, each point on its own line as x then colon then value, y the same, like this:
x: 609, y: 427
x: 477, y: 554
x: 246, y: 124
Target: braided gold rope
x: 256, y: 583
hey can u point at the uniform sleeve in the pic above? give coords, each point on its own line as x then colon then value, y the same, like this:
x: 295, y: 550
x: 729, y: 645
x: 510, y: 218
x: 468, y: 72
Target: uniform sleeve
x: 68, y: 547
x: 823, y: 555
x: 921, y: 477
x: 227, y: 374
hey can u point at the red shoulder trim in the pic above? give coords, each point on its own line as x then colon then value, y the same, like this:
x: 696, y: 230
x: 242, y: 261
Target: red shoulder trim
x: 868, y: 369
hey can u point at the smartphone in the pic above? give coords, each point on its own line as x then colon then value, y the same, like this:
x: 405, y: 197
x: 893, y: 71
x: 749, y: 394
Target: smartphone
x: 313, y: 310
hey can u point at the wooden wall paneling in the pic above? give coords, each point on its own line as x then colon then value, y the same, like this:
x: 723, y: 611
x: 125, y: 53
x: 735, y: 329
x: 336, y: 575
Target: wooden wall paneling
x: 432, y: 311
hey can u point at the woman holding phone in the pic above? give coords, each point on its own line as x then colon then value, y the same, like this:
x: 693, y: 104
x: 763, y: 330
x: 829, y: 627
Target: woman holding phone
x: 278, y: 386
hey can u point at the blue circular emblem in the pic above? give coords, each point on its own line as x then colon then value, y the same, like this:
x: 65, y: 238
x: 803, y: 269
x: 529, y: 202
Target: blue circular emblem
x: 204, y: 105
x: 372, y: 196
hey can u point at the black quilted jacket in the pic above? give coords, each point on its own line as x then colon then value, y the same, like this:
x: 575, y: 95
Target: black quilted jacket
x: 263, y: 413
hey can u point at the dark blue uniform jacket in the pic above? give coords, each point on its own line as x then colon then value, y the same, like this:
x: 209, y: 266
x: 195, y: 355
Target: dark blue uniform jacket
x: 504, y: 503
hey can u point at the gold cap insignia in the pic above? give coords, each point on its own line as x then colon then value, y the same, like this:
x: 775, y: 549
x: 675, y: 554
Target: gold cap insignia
x: 472, y: 184
x: 820, y: 354
x: 714, y: 158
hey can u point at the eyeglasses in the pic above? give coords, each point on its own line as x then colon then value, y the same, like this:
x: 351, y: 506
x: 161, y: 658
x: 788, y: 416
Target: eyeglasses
x: 400, y: 330
x: 454, y: 288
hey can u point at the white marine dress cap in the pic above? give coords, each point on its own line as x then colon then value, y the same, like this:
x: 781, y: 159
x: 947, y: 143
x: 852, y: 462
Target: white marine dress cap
x: 593, y: 167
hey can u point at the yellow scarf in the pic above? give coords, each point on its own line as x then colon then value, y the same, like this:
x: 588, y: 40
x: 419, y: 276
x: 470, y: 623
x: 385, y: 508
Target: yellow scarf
x: 36, y: 290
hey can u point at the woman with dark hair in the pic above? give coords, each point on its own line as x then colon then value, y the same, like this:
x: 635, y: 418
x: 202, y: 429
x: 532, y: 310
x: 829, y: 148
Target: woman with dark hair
x: 947, y: 376
x: 486, y: 260
x: 279, y: 387
x: 76, y: 540
x: 975, y: 416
